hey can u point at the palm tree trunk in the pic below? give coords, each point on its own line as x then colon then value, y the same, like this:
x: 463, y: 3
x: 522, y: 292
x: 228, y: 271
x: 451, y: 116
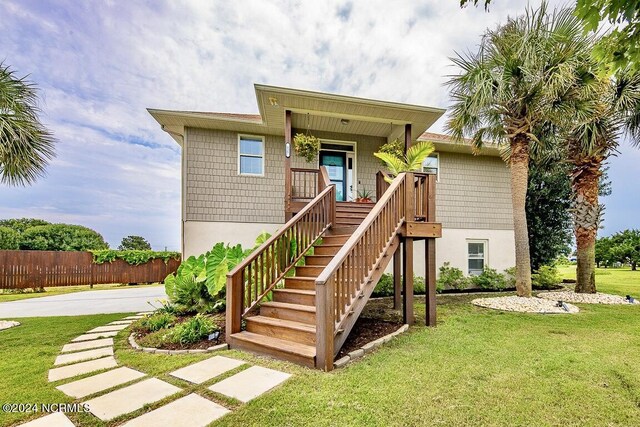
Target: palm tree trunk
x: 519, y: 167
x: 586, y: 220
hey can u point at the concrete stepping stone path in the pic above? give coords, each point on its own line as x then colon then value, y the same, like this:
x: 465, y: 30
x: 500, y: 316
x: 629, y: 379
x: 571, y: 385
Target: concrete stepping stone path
x: 97, y: 353
x: 106, y: 380
x: 86, y: 345
x: 250, y: 383
x: 131, y: 398
x: 108, y: 328
x: 56, y: 419
x: 121, y: 322
x: 189, y: 411
x: 81, y: 368
x: 89, y: 337
x: 202, y: 371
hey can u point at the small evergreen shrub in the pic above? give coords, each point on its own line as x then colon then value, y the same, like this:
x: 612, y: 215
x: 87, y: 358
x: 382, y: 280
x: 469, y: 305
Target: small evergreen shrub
x: 384, y: 288
x: 510, y: 277
x: 451, y: 278
x: 546, y: 277
x: 9, y: 239
x: 193, y: 330
x: 489, y: 279
x: 153, y: 323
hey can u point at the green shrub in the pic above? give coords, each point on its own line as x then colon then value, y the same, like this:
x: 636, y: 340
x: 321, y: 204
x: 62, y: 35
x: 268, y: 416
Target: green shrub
x: 384, y: 288
x: 133, y: 257
x: 153, y: 323
x: 489, y: 279
x: 9, y: 239
x: 510, y: 277
x: 61, y: 237
x: 451, y: 278
x: 546, y: 277
x: 134, y: 243
x: 193, y: 330
x: 21, y: 224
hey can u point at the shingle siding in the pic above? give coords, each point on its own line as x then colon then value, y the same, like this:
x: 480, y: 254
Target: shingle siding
x: 473, y: 191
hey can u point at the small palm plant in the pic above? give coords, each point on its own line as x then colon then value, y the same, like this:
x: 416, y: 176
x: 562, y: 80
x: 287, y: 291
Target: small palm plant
x: 409, y: 162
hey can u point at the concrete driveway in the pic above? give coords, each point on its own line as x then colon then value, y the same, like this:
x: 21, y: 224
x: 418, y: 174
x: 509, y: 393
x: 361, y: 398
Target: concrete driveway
x: 86, y: 302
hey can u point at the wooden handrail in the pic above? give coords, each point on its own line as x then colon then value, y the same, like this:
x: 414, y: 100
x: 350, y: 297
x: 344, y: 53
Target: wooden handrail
x: 251, y: 280
x: 341, y: 283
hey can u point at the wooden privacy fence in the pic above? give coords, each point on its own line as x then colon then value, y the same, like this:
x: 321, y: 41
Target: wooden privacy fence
x: 33, y: 269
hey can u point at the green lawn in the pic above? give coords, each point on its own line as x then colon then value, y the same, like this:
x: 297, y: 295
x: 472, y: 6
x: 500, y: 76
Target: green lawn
x: 6, y: 296
x: 478, y: 367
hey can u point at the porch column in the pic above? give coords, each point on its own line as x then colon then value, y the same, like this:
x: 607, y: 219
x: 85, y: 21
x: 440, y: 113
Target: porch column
x: 287, y: 165
x: 430, y: 256
x: 397, y: 281
x: 407, y: 137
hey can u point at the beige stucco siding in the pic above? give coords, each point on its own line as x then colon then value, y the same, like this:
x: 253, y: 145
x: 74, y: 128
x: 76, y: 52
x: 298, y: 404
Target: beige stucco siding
x: 473, y: 192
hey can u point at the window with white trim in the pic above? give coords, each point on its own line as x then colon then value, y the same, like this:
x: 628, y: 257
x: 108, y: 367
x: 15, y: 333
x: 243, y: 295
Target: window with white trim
x: 476, y: 256
x: 432, y: 165
x: 251, y: 155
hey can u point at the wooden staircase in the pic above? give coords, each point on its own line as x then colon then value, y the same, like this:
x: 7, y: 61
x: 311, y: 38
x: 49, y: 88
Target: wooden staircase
x: 286, y: 327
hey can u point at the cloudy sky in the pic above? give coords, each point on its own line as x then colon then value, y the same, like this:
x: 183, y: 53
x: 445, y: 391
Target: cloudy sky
x: 100, y: 64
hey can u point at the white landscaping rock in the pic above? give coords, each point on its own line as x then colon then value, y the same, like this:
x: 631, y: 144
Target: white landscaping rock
x: 524, y: 305
x: 6, y: 324
x: 596, y: 298
x: 189, y: 411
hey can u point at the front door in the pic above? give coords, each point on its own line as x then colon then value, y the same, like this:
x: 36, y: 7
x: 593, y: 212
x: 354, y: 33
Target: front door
x: 336, y: 164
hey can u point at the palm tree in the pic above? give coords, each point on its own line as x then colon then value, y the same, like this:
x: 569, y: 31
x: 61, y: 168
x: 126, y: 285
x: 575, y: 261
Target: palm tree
x: 409, y: 162
x: 26, y: 146
x: 604, y: 108
x: 504, y: 93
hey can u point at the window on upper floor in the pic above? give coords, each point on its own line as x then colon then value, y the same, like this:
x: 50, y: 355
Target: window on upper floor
x: 432, y: 165
x: 476, y: 256
x: 251, y: 155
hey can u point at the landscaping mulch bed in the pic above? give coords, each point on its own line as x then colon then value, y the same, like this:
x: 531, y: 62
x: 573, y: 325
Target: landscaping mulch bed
x: 146, y: 340
x: 366, y: 330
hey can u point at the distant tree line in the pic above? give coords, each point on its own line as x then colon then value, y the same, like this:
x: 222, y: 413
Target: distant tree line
x: 39, y: 235
x: 622, y: 247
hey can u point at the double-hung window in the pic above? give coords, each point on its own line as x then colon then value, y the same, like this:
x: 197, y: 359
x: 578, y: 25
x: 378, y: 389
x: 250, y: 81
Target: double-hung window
x: 432, y: 165
x: 476, y: 256
x: 251, y: 155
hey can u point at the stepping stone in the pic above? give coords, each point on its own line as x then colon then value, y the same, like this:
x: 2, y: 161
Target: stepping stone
x: 144, y: 313
x: 63, y: 359
x: 121, y: 322
x: 131, y: 398
x: 207, y: 369
x: 108, y: 328
x: 132, y: 317
x: 88, y: 337
x: 56, y: 374
x: 250, y: 383
x: 57, y: 419
x: 189, y: 411
x: 96, y: 383
x: 87, y: 345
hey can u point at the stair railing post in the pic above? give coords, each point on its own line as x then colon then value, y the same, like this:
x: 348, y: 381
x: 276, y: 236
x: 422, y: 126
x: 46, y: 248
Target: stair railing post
x: 234, y: 305
x: 325, y: 324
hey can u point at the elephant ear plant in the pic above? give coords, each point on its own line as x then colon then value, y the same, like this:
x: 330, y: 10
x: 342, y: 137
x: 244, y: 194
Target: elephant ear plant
x: 199, y: 283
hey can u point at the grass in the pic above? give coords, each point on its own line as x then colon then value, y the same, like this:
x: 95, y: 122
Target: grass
x: 478, y: 367
x: 6, y: 296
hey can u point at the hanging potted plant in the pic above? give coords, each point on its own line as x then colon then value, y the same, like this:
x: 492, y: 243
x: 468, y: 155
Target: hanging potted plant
x: 306, y: 145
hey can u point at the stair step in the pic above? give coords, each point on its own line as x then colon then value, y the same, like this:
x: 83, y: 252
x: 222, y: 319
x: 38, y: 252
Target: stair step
x: 284, y: 329
x: 336, y: 239
x: 341, y: 229
x: 326, y: 249
x: 354, y: 206
x: 282, y: 310
x: 298, y: 282
x: 283, y: 349
x: 308, y: 270
x: 349, y: 221
x: 295, y: 296
x: 318, y: 259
